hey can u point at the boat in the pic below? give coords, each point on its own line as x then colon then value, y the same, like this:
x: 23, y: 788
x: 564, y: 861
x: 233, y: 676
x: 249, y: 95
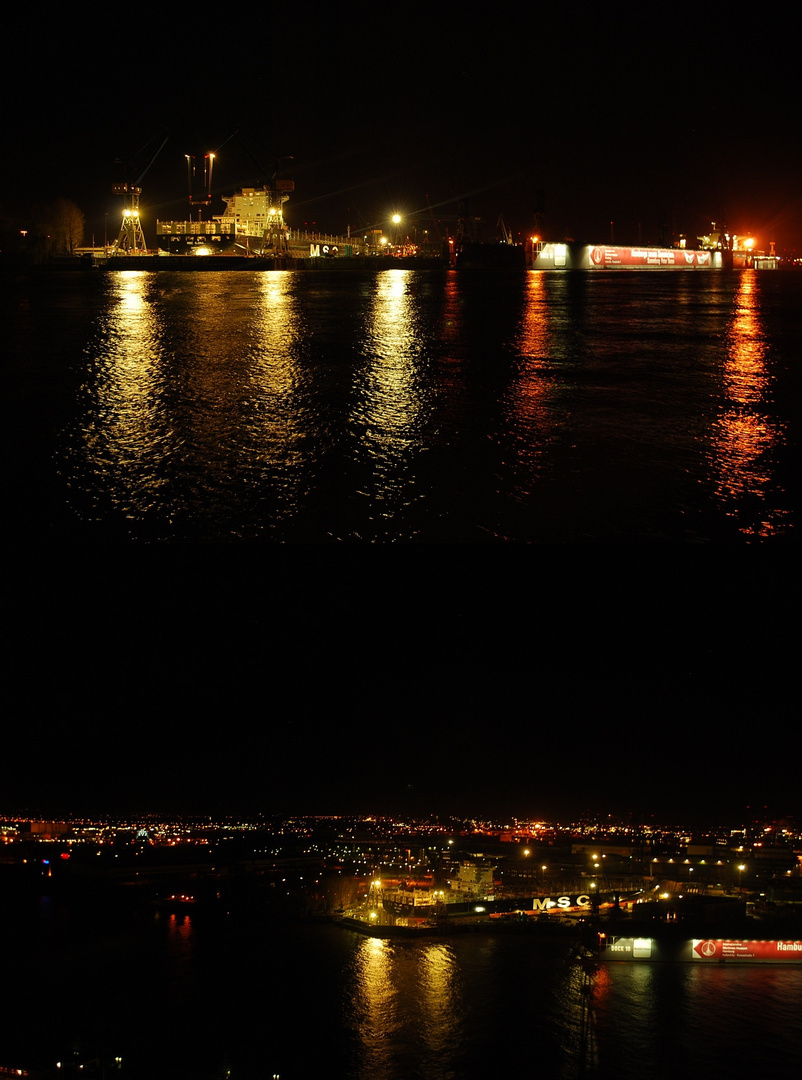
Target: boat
x: 252, y: 226
x: 474, y: 255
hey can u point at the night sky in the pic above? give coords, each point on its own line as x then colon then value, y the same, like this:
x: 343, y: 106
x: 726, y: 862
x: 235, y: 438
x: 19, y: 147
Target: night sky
x: 541, y: 681
x: 658, y: 120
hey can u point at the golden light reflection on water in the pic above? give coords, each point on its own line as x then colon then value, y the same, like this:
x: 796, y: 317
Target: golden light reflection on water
x: 125, y: 402
x: 190, y: 392
x: 391, y: 397
x: 130, y: 374
x: 377, y: 1003
x: 440, y: 999
x: 267, y: 404
x: 390, y: 405
x: 746, y: 434
x: 278, y: 431
x: 409, y: 994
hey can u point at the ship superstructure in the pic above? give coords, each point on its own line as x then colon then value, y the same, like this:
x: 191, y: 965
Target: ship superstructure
x: 251, y: 224
x: 257, y: 217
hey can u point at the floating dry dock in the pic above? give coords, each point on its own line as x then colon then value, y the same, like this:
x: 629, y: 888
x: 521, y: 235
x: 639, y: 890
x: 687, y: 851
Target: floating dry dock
x: 700, y: 950
x: 572, y: 256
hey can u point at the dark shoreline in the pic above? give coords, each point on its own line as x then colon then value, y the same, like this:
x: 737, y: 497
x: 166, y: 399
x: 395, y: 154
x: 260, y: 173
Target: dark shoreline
x: 207, y: 263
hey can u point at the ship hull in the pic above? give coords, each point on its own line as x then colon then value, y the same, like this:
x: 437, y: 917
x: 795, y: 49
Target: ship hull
x: 473, y: 256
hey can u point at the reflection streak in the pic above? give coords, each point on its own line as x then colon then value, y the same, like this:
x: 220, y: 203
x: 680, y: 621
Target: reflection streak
x: 390, y: 403
x: 745, y: 436
x: 440, y: 1005
x: 376, y: 1000
x: 125, y: 434
x: 406, y: 997
x: 276, y: 447
x: 180, y: 421
x: 528, y: 406
x: 391, y: 406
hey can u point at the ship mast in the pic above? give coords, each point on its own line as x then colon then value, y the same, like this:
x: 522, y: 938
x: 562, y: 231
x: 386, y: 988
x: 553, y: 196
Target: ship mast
x: 206, y: 198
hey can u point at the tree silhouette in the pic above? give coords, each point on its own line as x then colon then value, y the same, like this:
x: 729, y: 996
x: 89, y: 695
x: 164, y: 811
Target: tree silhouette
x: 66, y: 227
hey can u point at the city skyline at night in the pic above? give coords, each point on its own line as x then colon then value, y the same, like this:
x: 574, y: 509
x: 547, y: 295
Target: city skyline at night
x: 343, y: 915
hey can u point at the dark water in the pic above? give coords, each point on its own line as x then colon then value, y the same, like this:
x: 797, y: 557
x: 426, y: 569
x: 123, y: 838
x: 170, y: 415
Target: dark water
x: 179, y: 998
x: 405, y: 406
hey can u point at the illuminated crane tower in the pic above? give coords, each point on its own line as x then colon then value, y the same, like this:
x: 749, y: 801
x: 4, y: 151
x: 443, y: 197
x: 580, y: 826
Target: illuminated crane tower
x: 131, y: 239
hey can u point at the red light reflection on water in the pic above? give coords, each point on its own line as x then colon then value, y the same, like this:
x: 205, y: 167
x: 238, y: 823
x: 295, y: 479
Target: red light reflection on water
x: 746, y: 435
x: 530, y: 406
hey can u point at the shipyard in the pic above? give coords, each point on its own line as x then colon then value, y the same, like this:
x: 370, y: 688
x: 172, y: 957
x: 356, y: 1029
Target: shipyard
x: 253, y: 233
x: 627, y: 893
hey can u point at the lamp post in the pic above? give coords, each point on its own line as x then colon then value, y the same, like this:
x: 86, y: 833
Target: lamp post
x: 741, y: 869
x: 396, y: 222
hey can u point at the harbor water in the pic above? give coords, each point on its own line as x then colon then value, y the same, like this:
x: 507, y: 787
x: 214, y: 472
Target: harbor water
x: 168, y: 409
x: 182, y: 998
x: 405, y: 406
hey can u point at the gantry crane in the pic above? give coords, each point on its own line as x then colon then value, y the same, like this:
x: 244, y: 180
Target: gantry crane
x: 131, y: 240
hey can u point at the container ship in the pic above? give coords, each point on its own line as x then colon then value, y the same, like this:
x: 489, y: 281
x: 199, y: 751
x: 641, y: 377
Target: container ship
x: 252, y: 224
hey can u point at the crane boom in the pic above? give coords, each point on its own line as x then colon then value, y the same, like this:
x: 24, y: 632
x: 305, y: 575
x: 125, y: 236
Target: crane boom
x: 132, y: 239
x: 141, y: 176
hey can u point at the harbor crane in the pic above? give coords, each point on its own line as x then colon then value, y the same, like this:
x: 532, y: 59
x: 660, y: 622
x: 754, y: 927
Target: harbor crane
x: 131, y: 240
x: 504, y: 230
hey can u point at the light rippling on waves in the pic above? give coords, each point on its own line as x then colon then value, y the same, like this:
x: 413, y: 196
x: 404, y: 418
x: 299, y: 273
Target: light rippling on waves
x: 697, y: 1021
x: 409, y: 405
x: 406, y: 1005
x: 462, y: 1010
x: 746, y: 434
